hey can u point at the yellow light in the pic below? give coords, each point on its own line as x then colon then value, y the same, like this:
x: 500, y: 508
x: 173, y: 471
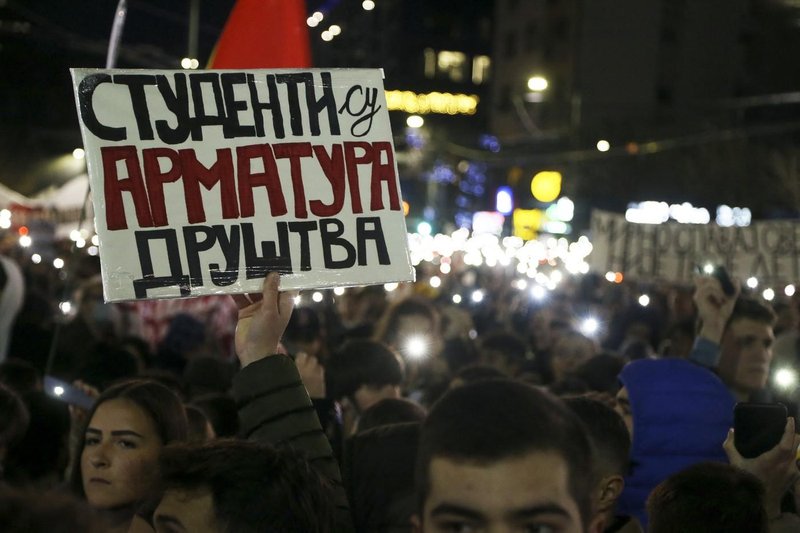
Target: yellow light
x: 326, y: 36
x: 186, y: 63
x: 435, y: 102
x: 537, y: 83
x: 335, y: 29
x: 527, y: 222
x: 546, y: 185
x: 406, y: 208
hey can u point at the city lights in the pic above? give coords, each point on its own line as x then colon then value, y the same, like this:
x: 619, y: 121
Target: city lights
x: 435, y: 102
x: 317, y: 297
x: 335, y: 29
x: 368, y: 5
x: 644, y: 300
x: 435, y: 282
x: 603, y: 145
x: 789, y: 290
x: 415, y: 121
x: 78, y: 153
x: 456, y: 298
x: 326, y: 36
x: 58, y: 263
x: 546, y: 185
x: 751, y: 282
x: 768, y: 294
x: 537, y: 83
x: 187, y: 63
x: 338, y: 291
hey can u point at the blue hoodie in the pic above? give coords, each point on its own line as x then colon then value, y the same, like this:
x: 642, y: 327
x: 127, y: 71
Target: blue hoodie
x: 681, y: 416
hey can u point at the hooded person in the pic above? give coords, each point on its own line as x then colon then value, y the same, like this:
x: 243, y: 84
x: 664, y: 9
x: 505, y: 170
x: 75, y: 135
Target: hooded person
x: 679, y: 414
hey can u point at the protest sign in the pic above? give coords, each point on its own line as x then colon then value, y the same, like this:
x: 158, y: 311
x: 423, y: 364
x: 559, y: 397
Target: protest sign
x: 768, y: 250
x: 202, y: 182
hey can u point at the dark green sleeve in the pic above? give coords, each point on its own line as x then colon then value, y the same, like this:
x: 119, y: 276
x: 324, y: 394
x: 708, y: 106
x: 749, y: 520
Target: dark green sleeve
x: 274, y: 407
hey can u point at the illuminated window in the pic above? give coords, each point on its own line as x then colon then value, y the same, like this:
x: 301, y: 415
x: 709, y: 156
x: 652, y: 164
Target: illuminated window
x: 451, y: 64
x: 430, y: 63
x: 480, y: 69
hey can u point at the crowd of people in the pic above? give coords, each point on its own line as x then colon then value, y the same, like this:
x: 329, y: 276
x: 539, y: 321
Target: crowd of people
x: 384, y: 411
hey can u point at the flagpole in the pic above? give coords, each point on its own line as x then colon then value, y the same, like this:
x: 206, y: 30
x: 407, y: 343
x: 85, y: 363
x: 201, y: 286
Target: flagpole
x: 111, y: 60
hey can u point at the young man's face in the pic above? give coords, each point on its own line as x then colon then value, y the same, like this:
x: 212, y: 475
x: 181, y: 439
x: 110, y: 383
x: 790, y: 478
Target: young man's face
x: 184, y: 511
x: 519, y: 494
x: 745, y: 356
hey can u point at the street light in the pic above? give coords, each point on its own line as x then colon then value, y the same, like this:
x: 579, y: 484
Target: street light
x: 537, y: 83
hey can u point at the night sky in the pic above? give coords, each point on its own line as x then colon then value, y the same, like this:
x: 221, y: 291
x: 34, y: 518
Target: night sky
x: 40, y: 41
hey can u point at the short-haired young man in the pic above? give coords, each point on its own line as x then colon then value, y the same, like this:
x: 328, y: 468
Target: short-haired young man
x: 238, y: 486
x: 611, y: 445
x: 502, y: 456
x: 735, y: 338
x: 360, y: 374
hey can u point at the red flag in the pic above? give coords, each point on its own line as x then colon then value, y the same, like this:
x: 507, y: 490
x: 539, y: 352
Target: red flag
x: 264, y: 34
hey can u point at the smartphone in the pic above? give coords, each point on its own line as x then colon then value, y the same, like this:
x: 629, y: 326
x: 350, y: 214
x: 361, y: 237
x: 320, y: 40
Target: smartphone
x: 721, y: 273
x: 66, y: 392
x: 758, y: 427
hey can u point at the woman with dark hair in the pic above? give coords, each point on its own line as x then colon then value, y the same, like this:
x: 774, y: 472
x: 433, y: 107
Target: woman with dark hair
x: 116, y: 467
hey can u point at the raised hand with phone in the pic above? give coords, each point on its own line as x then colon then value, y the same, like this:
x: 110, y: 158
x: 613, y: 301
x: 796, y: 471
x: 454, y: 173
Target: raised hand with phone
x: 776, y: 467
x: 715, y: 296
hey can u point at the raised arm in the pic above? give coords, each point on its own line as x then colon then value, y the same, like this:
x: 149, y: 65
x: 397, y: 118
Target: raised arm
x: 714, y: 308
x: 274, y: 406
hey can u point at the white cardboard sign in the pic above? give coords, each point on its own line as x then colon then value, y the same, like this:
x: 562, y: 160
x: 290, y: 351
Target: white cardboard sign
x: 204, y: 181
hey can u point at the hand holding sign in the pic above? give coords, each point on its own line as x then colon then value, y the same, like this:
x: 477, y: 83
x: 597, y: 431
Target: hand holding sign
x: 262, y: 320
x: 202, y: 182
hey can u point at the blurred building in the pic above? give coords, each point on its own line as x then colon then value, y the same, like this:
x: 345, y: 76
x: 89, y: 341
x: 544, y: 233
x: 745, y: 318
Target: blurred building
x: 684, y: 95
x: 437, y: 65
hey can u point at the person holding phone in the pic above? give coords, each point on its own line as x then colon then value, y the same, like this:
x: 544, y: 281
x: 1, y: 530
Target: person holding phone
x: 735, y: 337
x: 777, y: 470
